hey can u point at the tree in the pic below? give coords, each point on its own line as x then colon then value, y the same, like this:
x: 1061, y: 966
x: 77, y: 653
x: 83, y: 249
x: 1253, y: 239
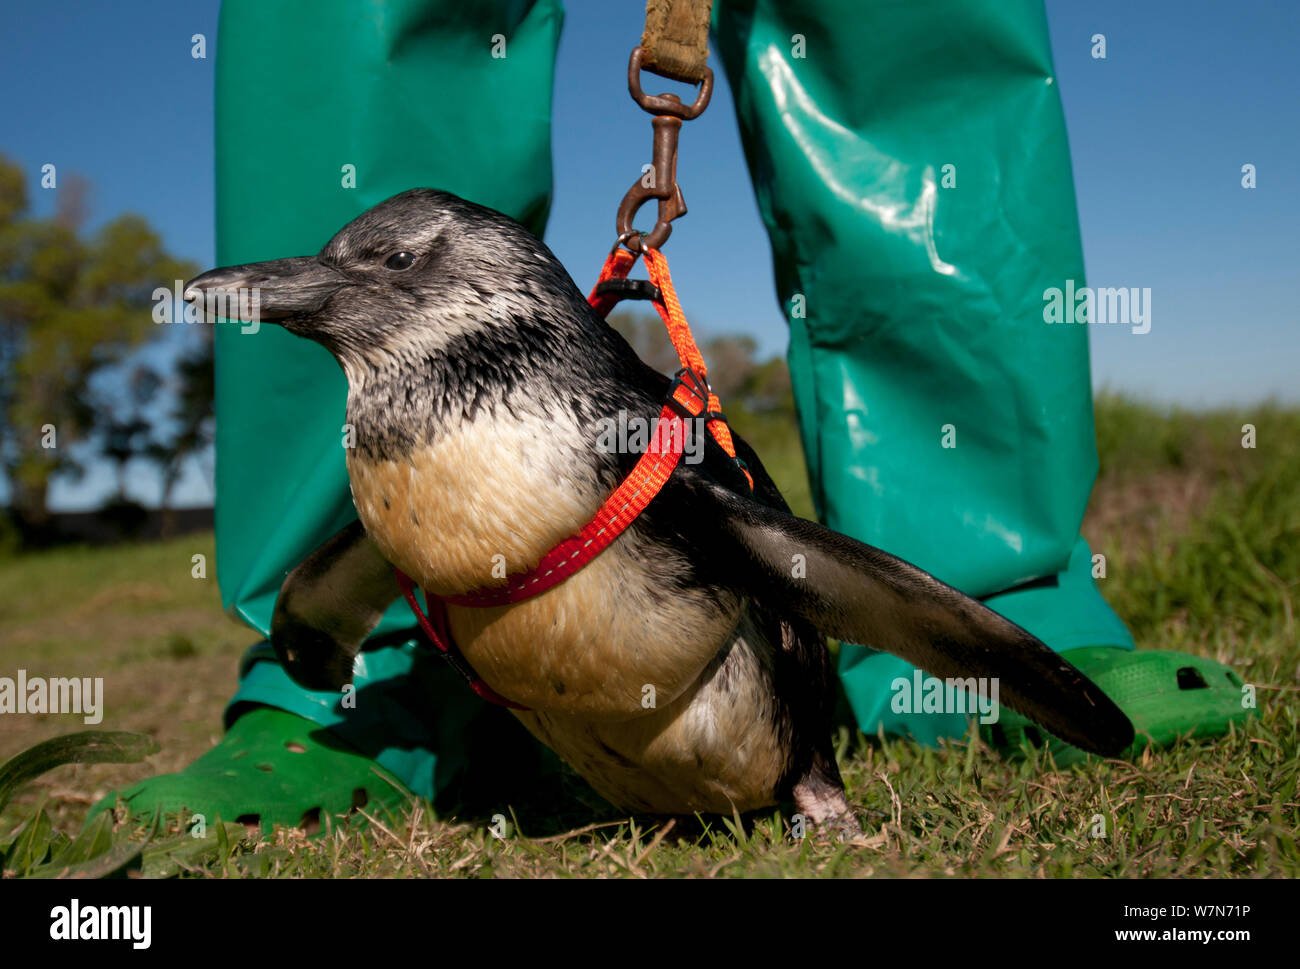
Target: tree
x: 69, y: 307
x: 129, y: 436
x: 193, y: 416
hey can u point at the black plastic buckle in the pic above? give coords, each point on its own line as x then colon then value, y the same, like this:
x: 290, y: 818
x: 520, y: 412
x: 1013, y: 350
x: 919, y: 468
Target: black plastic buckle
x: 629, y: 289
x: 699, y: 390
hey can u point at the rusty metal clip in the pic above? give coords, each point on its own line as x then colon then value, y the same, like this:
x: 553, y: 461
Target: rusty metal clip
x: 669, y: 113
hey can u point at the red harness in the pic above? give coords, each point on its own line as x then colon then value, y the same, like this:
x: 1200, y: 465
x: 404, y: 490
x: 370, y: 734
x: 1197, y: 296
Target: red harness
x: 689, y: 397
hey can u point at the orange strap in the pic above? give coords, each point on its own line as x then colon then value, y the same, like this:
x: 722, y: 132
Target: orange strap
x: 670, y: 311
x: 689, y: 397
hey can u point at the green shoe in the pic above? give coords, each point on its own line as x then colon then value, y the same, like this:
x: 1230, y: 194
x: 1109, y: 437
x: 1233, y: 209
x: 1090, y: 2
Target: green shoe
x: 270, y: 768
x: 1167, y: 695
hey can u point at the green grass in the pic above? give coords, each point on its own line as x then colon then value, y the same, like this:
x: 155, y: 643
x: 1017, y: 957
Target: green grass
x: 1202, y: 539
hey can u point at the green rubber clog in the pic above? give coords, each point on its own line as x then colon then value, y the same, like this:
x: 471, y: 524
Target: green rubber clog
x: 271, y: 768
x: 1169, y: 696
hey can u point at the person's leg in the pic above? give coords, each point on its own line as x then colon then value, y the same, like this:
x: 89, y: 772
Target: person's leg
x: 911, y: 165
x: 324, y: 109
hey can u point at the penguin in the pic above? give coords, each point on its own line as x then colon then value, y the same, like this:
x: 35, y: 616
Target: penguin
x: 479, y: 379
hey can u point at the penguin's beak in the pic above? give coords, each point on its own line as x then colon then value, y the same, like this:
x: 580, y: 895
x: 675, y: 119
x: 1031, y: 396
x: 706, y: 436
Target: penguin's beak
x: 265, y: 292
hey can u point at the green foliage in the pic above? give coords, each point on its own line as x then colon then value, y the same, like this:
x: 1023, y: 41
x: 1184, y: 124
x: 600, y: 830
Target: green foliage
x: 37, y: 850
x: 88, y: 747
x: 1233, y: 569
x: 103, y: 848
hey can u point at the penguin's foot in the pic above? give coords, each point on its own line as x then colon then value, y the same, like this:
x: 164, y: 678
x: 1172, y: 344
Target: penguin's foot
x: 271, y: 768
x: 825, y: 808
x: 1167, y: 696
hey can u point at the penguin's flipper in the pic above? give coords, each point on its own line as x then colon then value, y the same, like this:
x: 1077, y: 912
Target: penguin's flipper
x: 860, y: 594
x: 328, y: 605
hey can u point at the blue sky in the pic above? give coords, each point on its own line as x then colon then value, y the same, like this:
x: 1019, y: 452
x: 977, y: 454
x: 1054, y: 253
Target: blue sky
x: 1189, y: 92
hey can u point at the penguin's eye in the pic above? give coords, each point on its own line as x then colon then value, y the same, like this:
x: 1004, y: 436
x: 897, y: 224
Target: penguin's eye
x: 400, y: 260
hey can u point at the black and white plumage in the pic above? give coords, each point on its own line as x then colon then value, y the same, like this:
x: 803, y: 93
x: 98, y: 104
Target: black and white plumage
x: 477, y: 380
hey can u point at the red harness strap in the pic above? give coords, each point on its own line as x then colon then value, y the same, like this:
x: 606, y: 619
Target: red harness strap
x: 436, y: 627
x: 689, y: 397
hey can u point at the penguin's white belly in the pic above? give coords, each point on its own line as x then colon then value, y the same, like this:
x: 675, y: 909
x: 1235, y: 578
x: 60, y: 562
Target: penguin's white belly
x: 716, y: 749
x: 490, y: 498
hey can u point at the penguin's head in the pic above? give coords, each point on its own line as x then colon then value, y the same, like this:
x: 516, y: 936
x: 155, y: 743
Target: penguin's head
x: 407, y: 278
